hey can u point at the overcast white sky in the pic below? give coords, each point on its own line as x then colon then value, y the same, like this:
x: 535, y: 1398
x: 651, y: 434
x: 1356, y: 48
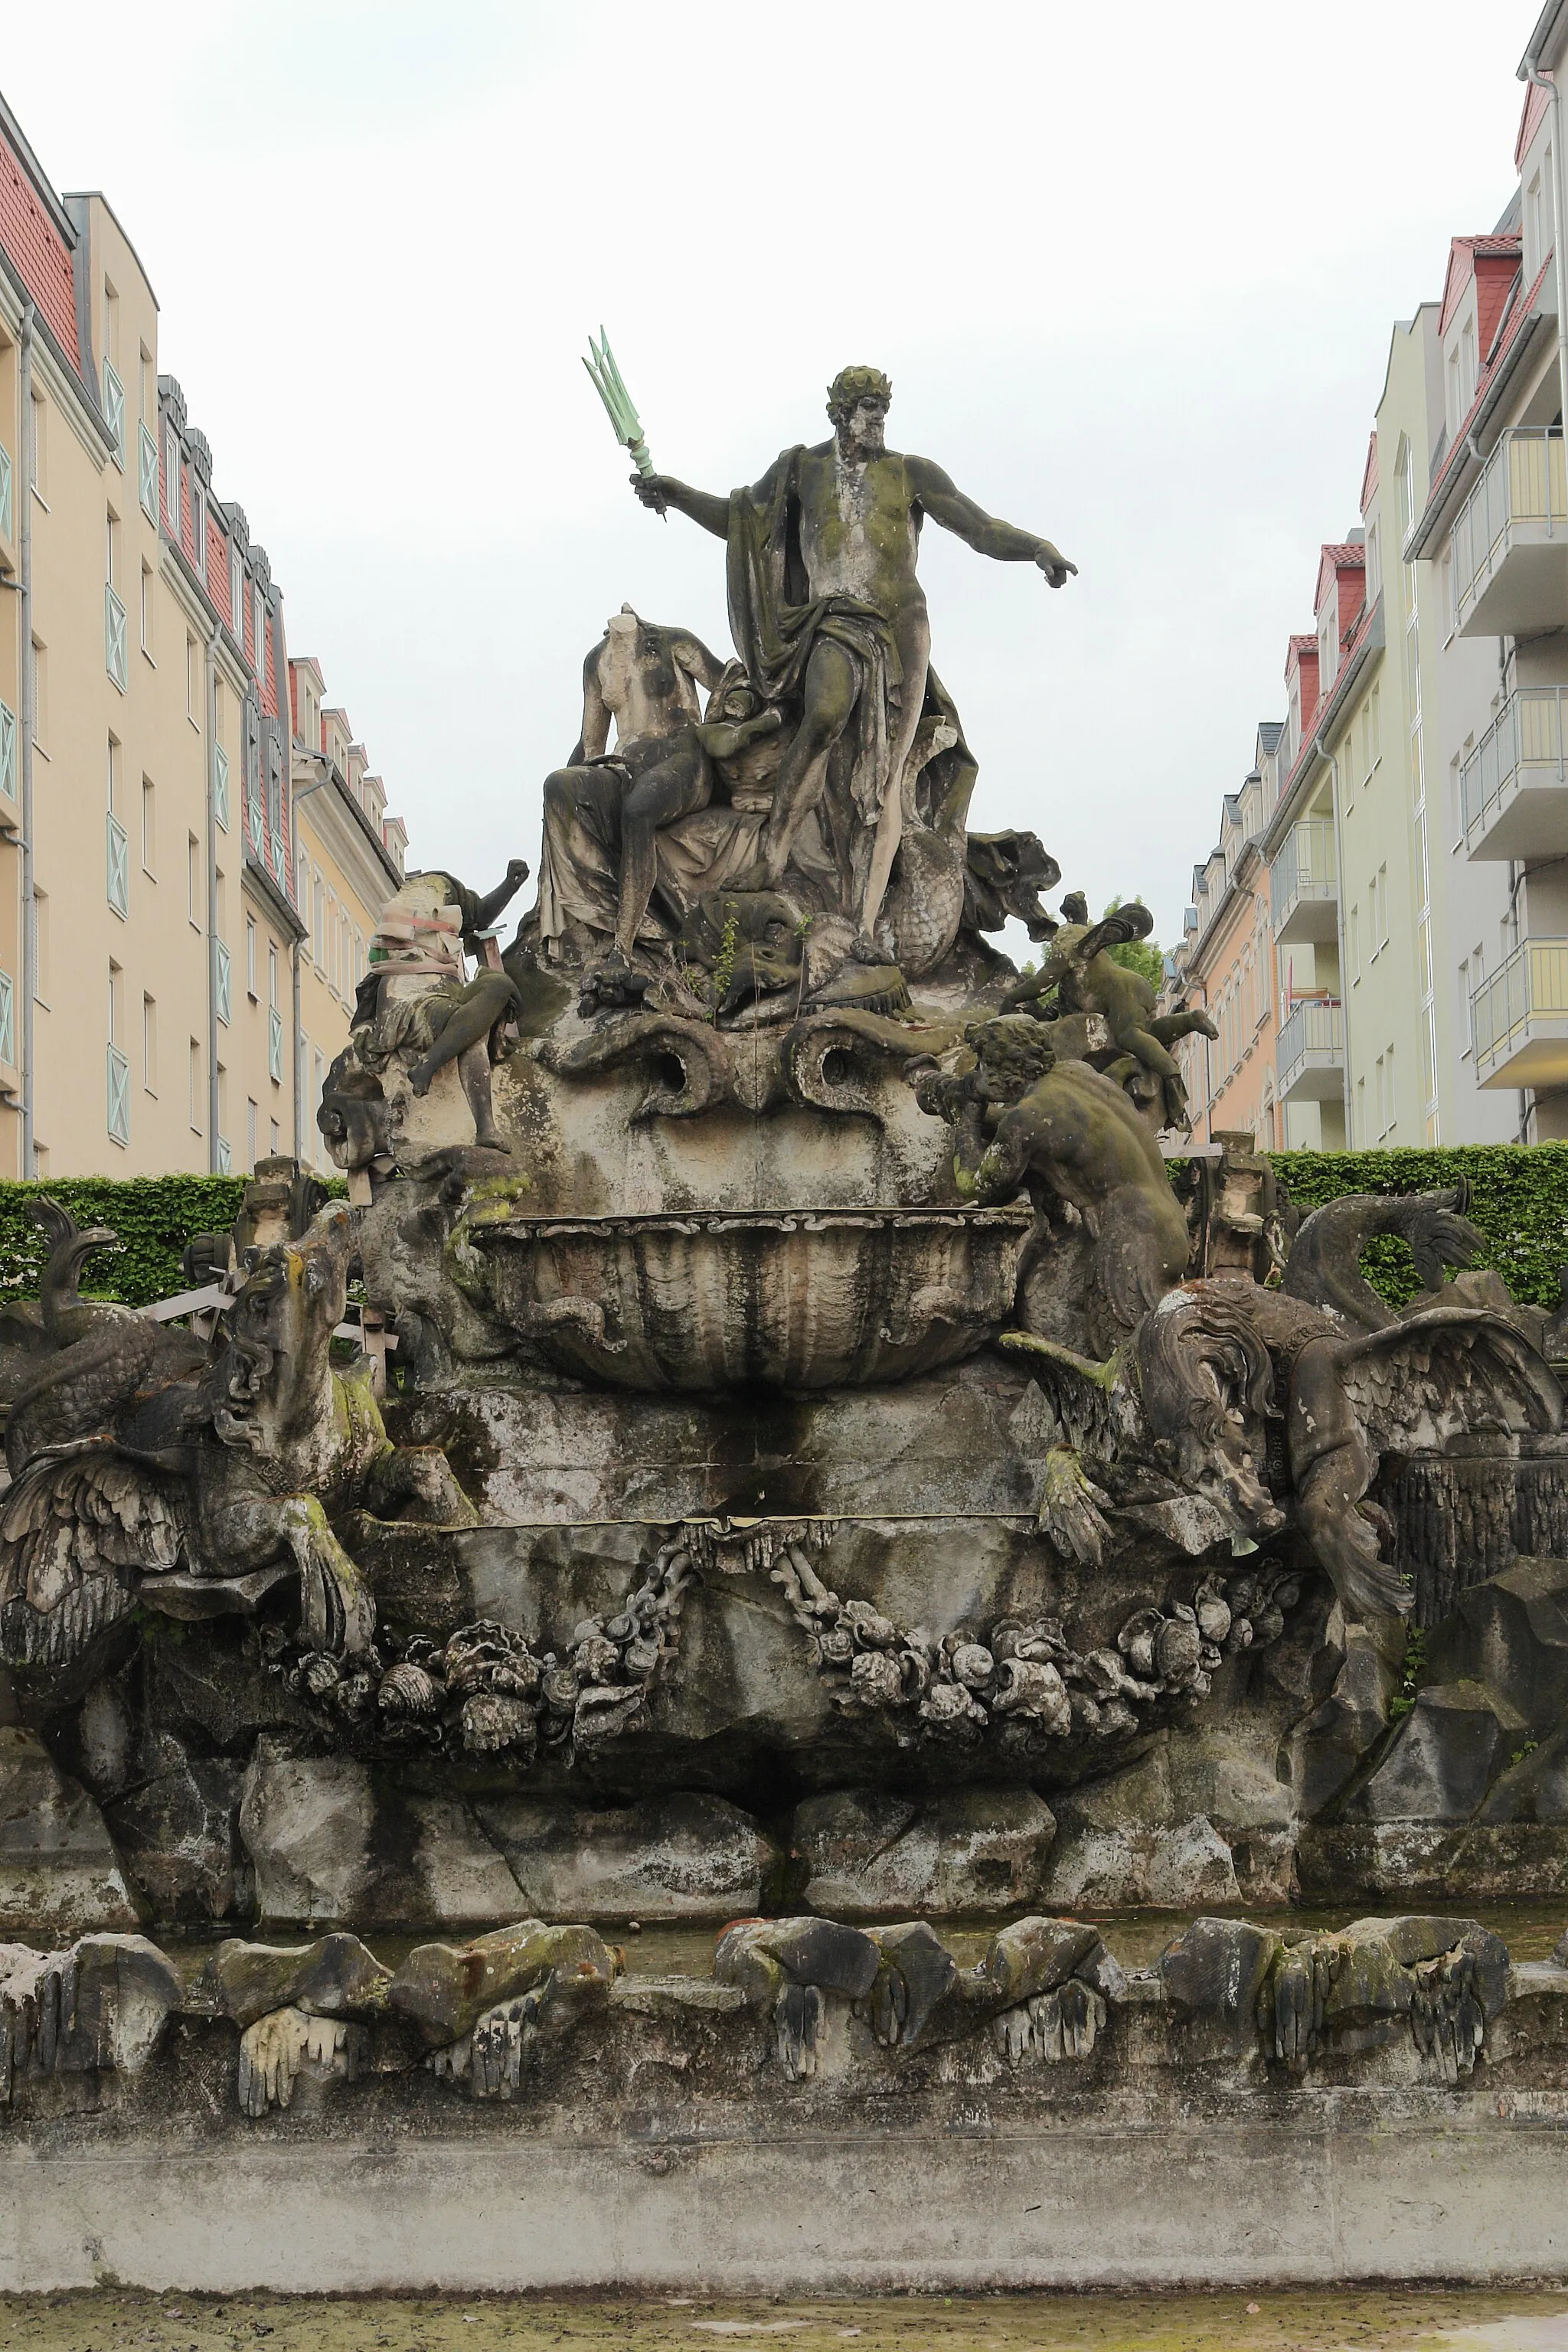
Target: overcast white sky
x: 1133, y: 271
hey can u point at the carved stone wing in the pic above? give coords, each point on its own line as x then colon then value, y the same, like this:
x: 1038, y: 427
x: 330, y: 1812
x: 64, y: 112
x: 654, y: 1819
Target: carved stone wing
x: 77, y: 1530
x: 1428, y: 1377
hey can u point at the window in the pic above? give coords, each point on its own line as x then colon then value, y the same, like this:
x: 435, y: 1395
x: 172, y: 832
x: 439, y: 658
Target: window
x: 272, y: 973
x: 1355, y: 946
x: 199, y: 525
x: 41, y: 946
x: 1374, y: 565
x: 150, y: 1045
x: 1376, y: 727
x: 194, y: 1089
x: 274, y: 790
x: 258, y: 657
x: 1392, y: 1107
x: 194, y: 880
x: 1467, y: 363
x: 252, y: 1121
x: 111, y: 776
x: 149, y: 826
x: 110, y: 324
x: 251, y: 957
x: 237, y: 595
x: 111, y: 547
x: 1382, y: 907
x: 276, y: 1139
x: 319, y: 922
x: 147, y: 610
x: 193, y: 681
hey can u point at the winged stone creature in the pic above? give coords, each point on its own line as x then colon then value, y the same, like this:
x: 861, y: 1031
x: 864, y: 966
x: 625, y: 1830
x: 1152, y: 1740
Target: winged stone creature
x: 1347, y: 1380
x: 145, y: 1464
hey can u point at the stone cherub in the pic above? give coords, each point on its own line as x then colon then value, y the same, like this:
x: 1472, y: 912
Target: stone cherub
x: 828, y: 615
x: 416, y: 1008
x: 1079, y: 967
x: 1074, y: 1140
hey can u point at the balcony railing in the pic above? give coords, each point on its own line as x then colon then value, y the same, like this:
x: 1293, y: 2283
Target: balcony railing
x: 8, y: 1021
x: 118, y: 863
x: 1510, y: 539
x: 223, y: 981
x: 1513, y: 788
x: 1303, y: 881
x: 1519, y: 1018
x: 119, y: 1095
x: 274, y: 1044
x: 114, y: 413
x: 147, y: 474
x: 220, y: 786
x: 114, y: 637
x: 1310, y: 1058
x: 7, y: 751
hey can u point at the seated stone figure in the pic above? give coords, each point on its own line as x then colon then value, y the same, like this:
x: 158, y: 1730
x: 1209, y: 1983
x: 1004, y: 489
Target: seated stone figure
x: 626, y: 801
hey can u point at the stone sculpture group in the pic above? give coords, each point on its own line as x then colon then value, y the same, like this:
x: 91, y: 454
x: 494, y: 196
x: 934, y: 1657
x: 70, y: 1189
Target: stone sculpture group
x: 834, y: 1459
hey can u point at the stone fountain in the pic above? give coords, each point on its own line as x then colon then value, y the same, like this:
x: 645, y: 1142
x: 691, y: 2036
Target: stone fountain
x: 823, y: 1463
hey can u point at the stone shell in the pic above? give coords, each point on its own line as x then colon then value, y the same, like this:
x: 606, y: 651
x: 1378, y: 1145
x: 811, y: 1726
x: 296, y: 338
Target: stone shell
x: 806, y: 1300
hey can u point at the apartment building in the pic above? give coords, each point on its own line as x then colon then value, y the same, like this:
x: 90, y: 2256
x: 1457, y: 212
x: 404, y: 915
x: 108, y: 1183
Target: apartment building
x: 1415, y: 822
x: 1492, y: 530
x: 349, y: 861
x: 1225, y: 964
x: 154, y: 950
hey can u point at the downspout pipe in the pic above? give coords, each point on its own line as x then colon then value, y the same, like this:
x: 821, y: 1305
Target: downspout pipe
x: 209, y: 759
x: 29, y: 720
x: 295, y: 799
x: 1323, y: 752
x: 1529, y: 71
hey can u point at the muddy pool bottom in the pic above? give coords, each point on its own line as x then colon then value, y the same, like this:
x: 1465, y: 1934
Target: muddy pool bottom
x: 1521, y: 2320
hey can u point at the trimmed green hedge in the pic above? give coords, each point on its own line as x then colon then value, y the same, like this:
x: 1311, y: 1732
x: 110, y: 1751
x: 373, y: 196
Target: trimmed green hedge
x: 153, y: 1215
x: 1519, y: 1199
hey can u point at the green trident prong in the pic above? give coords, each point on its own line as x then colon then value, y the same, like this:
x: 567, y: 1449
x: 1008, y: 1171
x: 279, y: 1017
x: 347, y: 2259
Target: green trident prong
x: 606, y: 381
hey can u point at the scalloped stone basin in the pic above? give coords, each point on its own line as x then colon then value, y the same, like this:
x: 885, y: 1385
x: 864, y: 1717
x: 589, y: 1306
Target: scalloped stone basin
x: 789, y: 1298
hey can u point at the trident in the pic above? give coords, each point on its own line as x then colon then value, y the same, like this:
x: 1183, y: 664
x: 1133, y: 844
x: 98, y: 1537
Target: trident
x: 605, y: 378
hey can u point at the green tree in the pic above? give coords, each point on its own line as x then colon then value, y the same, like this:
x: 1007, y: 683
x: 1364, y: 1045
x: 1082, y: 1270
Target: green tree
x: 1138, y: 955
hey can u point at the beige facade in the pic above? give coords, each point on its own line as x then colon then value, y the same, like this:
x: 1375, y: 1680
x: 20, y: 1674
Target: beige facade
x: 157, y: 957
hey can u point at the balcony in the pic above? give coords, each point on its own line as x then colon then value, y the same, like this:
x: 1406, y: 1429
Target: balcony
x: 1511, y: 541
x: 1513, y: 788
x: 1304, y: 882
x: 1519, y: 1018
x: 1309, y: 1059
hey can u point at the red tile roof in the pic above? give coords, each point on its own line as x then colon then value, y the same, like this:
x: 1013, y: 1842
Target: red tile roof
x: 40, y: 254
